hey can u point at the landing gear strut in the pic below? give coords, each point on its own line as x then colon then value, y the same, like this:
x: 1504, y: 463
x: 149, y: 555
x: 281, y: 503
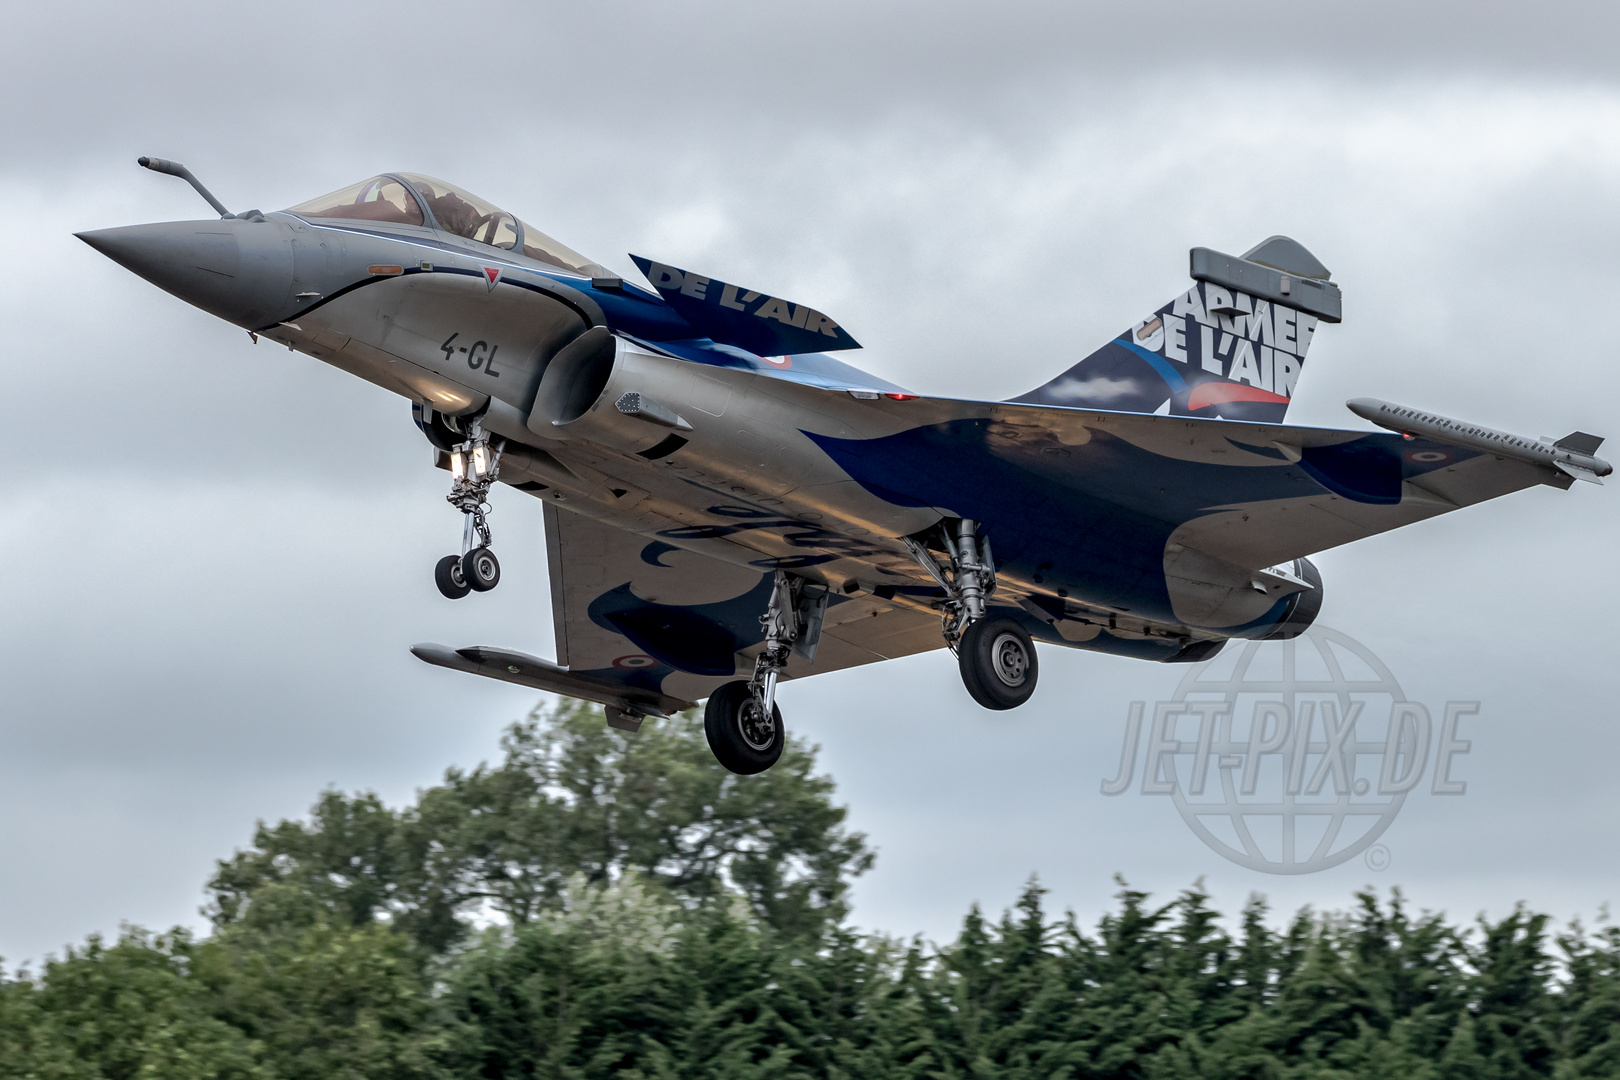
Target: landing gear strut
x: 995, y: 653
x: 474, y: 465
x: 741, y: 721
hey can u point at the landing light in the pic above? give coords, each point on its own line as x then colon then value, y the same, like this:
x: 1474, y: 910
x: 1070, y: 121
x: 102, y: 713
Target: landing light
x: 480, y: 461
x: 458, y: 465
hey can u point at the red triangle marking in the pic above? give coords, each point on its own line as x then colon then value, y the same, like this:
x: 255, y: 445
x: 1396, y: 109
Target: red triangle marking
x: 492, y: 272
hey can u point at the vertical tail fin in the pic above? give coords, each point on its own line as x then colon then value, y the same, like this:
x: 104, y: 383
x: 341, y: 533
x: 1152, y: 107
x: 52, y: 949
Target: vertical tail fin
x: 1231, y: 347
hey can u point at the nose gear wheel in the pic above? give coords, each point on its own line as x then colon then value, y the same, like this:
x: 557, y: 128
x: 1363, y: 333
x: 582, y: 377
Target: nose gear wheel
x: 480, y: 569
x: 448, y: 577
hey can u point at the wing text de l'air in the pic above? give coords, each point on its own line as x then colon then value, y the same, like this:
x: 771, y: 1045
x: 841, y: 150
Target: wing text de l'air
x: 747, y: 318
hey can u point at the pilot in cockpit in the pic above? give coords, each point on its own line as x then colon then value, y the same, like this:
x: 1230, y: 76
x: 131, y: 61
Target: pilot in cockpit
x: 453, y: 213
x: 458, y: 212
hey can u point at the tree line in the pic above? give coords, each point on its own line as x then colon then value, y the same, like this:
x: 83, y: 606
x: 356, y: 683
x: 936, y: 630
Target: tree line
x: 601, y: 904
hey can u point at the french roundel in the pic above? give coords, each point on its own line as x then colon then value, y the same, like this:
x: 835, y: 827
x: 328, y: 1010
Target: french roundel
x: 1428, y: 457
x: 783, y: 362
x: 634, y: 661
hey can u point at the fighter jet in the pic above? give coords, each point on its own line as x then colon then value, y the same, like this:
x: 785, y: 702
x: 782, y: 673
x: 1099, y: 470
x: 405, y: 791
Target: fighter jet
x: 728, y: 504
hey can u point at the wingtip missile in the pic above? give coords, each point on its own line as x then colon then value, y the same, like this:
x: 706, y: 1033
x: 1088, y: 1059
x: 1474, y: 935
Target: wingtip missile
x: 1573, y: 455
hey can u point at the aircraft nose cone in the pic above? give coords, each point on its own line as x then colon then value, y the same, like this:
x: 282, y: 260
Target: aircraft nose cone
x: 240, y: 271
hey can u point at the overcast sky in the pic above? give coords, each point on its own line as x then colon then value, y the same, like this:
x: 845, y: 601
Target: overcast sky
x: 219, y: 553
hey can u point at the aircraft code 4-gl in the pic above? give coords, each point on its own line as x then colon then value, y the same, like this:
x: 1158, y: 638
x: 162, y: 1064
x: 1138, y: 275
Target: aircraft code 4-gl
x: 480, y: 354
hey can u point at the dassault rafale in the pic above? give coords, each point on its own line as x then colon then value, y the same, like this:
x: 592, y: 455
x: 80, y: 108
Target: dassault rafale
x: 728, y: 504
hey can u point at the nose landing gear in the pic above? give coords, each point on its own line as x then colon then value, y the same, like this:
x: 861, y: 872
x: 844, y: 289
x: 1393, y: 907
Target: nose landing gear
x: 474, y: 465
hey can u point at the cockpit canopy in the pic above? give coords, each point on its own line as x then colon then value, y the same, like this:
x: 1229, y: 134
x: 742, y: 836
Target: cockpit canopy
x: 414, y: 199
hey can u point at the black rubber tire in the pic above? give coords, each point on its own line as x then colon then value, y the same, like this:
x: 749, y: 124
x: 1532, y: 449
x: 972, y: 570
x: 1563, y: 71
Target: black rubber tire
x: 447, y: 576
x: 481, y: 569
x: 723, y: 724
x: 998, y: 663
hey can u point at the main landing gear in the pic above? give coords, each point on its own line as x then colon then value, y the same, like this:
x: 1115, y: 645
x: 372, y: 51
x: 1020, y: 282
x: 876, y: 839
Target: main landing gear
x: 474, y: 464
x: 995, y: 653
x: 741, y: 721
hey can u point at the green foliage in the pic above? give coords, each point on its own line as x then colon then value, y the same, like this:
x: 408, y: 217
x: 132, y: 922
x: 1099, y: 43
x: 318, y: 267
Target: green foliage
x: 618, y: 985
x: 319, y: 996
x: 133, y: 1009
x: 645, y: 914
x: 294, y: 997
x: 572, y: 796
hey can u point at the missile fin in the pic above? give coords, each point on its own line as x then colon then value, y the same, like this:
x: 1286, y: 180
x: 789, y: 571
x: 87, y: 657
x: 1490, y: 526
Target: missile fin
x: 1578, y: 472
x: 1579, y: 442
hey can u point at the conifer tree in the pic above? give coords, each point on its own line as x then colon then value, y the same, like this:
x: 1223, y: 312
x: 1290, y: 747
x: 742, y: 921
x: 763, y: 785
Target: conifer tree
x: 641, y: 913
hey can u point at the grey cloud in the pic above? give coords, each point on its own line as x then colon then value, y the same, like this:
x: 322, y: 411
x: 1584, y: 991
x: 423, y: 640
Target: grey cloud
x: 307, y: 75
x: 217, y: 552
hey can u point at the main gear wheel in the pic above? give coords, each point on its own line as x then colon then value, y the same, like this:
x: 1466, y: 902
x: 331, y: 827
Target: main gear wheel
x: 997, y: 658
x: 743, y: 736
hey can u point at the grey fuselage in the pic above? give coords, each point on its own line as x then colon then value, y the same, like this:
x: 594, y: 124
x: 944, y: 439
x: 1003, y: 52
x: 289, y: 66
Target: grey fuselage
x: 462, y: 328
